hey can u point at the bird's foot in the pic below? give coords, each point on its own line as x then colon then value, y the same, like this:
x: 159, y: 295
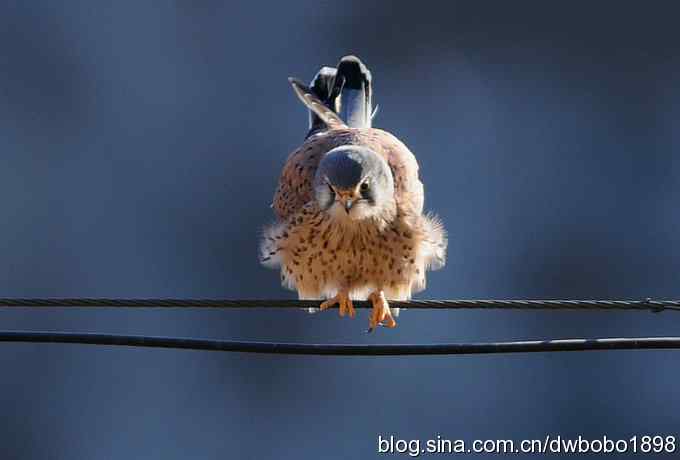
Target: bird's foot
x: 381, y: 314
x: 344, y: 302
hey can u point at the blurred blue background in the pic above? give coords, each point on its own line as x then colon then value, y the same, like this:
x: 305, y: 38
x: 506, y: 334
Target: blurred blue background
x: 140, y: 147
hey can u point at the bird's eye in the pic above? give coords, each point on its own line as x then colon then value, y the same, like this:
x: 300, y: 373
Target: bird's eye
x: 364, y: 188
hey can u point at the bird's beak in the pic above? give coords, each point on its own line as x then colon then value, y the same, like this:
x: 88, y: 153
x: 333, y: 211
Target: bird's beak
x: 348, y: 205
x: 347, y: 199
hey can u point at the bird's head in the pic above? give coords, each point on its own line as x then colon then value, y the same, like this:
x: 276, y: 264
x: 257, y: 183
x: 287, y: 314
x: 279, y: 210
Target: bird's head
x: 354, y: 182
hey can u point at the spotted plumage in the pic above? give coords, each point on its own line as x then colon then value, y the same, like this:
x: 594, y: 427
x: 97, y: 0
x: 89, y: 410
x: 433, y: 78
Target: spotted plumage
x: 349, y: 207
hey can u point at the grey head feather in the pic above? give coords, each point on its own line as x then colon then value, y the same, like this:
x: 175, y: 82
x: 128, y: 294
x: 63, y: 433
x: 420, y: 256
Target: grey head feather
x: 346, y: 167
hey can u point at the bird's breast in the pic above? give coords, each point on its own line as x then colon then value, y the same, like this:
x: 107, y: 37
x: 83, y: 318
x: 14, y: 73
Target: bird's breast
x: 323, y: 255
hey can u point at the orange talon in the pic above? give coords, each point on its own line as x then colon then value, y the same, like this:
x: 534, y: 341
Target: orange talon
x: 381, y: 314
x: 344, y: 302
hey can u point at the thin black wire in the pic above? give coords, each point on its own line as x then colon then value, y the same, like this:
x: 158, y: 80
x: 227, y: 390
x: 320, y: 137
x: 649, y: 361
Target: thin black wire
x: 531, y: 346
x: 638, y: 305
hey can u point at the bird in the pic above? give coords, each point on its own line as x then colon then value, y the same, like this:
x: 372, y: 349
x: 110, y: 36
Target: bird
x: 349, y: 204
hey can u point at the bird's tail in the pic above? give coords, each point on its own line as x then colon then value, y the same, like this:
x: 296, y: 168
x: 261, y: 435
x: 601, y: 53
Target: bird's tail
x: 338, y: 97
x: 353, y: 83
x: 323, y: 87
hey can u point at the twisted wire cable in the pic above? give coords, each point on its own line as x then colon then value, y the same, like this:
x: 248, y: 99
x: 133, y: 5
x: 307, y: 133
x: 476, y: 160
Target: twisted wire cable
x: 639, y: 305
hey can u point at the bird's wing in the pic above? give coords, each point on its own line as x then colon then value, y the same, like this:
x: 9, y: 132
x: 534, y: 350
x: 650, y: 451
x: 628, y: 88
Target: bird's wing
x: 296, y: 184
x: 312, y: 102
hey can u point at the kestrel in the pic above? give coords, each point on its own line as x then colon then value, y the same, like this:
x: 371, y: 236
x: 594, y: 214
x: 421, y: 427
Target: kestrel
x: 350, y: 205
